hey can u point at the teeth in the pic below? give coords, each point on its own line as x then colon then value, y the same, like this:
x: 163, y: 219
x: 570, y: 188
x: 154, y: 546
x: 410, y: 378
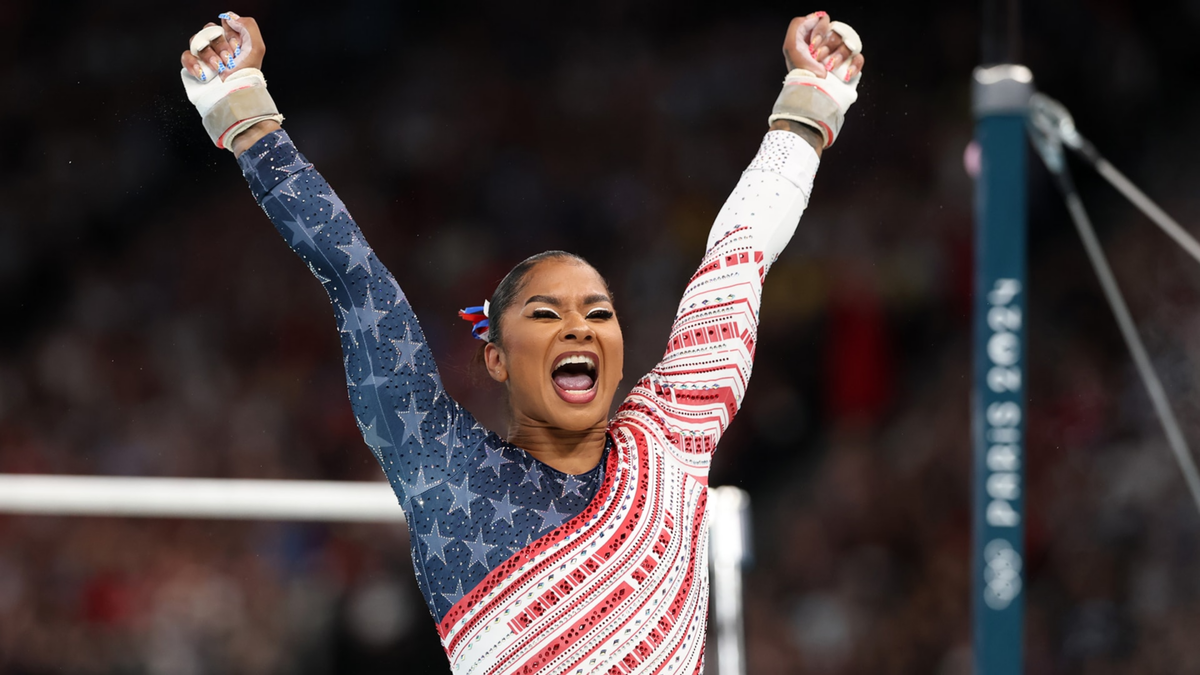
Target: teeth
x: 578, y: 358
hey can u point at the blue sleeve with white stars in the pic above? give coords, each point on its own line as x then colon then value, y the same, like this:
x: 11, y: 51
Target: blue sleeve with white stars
x: 470, y: 498
x: 402, y: 409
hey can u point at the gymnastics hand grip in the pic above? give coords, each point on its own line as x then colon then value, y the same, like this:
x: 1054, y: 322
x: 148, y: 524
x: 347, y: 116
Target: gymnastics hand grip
x: 821, y: 102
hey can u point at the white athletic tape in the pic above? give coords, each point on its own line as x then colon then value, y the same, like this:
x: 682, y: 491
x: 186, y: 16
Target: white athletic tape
x: 230, y: 106
x: 850, y: 37
x: 204, y: 38
x: 820, y: 103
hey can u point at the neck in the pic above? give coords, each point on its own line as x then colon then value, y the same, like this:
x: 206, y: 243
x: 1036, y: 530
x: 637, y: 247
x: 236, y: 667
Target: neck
x: 572, y: 452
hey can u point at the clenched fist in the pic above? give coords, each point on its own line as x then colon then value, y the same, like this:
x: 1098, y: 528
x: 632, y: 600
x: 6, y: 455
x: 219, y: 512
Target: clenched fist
x: 222, y: 79
x: 825, y: 61
x: 239, y: 44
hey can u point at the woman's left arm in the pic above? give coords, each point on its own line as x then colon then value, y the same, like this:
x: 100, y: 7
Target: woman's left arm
x: 697, y: 388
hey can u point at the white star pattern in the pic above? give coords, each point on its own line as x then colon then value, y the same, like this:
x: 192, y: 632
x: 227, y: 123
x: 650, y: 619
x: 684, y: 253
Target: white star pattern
x: 551, y: 517
x: 296, y: 165
x: 372, y: 438
x: 399, y: 297
x: 296, y: 228
x: 412, y: 421
x: 406, y: 349
x: 316, y: 274
x: 571, y: 486
x: 462, y: 496
x: 288, y: 187
x: 347, y: 327
x: 436, y: 549
x: 479, y: 550
x: 504, y: 509
x: 368, y: 317
x: 454, y: 596
x: 359, y: 253
x: 533, y: 475
x: 420, y: 486
x: 494, y: 460
x: 335, y: 205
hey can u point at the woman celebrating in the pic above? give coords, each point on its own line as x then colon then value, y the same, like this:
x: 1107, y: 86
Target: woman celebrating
x: 576, y: 543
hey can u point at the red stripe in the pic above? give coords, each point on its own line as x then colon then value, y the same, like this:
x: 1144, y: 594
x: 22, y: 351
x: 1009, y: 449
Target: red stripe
x: 576, y: 630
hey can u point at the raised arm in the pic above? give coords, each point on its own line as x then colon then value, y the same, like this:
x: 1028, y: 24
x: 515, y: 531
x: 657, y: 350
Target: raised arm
x: 401, y: 408
x: 697, y: 388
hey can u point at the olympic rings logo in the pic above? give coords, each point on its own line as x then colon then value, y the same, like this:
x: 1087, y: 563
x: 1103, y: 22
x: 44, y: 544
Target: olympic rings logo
x: 1001, y: 574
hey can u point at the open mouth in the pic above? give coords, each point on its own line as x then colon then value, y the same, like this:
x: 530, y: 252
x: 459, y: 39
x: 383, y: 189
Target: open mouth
x: 574, y: 377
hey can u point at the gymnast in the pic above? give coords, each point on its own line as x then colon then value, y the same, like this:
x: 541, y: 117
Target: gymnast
x: 576, y: 542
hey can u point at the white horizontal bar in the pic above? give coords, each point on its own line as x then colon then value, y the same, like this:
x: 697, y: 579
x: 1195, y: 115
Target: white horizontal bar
x: 199, y: 498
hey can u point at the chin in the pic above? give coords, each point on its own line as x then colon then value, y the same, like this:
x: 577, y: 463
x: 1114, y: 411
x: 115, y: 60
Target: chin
x: 578, y: 417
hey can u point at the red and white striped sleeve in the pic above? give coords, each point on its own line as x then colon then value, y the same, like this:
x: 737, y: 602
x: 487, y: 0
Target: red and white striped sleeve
x: 697, y: 388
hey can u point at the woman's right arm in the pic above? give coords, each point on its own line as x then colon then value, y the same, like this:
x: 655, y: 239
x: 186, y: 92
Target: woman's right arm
x: 401, y: 407
x: 397, y: 395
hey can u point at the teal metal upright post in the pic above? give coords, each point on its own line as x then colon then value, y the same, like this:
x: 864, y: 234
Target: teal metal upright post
x: 1000, y: 99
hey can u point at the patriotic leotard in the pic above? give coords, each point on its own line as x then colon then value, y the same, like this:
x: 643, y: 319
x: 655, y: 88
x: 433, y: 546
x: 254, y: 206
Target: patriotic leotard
x: 524, y: 568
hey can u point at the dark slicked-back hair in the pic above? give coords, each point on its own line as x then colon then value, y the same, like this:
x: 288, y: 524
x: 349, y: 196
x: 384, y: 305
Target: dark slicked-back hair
x: 514, y: 281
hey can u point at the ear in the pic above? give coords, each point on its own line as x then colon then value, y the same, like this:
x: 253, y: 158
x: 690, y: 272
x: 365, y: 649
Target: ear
x: 494, y: 360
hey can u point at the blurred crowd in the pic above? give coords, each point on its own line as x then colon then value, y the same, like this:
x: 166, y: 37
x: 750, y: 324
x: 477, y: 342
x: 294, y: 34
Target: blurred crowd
x: 157, y: 326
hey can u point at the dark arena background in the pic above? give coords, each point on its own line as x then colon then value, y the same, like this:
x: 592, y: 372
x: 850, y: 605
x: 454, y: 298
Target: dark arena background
x: 155, y: 325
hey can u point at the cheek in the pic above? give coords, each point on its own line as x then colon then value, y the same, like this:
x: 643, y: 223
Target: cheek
x: 615, y: 348
x: 524, y: 361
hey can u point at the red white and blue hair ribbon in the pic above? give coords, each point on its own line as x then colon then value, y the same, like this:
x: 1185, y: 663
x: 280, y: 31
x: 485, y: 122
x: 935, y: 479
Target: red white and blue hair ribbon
x: 478, y: 316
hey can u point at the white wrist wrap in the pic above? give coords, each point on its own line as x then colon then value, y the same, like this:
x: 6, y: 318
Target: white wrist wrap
x: 230, y: 106
x: 821, y: 103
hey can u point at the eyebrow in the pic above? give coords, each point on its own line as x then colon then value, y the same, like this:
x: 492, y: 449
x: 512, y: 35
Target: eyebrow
x: 551, y: 300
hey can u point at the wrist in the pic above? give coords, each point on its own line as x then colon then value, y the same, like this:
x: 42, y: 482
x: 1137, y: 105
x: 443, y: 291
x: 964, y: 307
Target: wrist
x: 809, y: 134
x: 249, y: 137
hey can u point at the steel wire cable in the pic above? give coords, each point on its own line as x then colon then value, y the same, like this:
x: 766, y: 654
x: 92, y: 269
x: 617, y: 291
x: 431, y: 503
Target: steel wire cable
x: 1051, y: 128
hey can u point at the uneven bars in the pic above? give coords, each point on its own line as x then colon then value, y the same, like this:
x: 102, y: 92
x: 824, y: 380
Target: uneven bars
x: 199, y: 498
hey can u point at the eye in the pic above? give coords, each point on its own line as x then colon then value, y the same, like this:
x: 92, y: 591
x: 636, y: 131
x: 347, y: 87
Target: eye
x: 600, y: 313
x: 544, y: 313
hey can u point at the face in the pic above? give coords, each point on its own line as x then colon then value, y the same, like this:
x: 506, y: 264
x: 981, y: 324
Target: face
x: 562, y: 354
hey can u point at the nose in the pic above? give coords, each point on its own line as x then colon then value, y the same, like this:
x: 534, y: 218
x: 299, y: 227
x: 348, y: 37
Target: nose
x: 576, y: 328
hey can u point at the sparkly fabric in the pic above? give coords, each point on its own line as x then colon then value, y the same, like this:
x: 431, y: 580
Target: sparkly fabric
x: 524, y: 568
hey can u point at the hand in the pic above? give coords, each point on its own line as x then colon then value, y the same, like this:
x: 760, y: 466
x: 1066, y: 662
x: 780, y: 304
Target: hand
x: 241, y: 46
x: 812, y: 46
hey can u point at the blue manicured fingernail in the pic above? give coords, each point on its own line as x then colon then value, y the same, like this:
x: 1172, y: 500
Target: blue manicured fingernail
x: 220, y: 67
x: 223, y: 15
x: 231, y: 62
x: 237, y: 50
x: 203, y: 77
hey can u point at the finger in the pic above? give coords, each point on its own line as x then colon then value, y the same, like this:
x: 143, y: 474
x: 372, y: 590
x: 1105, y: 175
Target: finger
x: 242, y: 33
x: 221, y: 48
x: 856, y: 66
x: 205, y: 45
x: 210, y: 59
x: 192, y: 65
x: 838, y: 58
x: 820, y: 31
x: 797, y: 52
x: 828, y: 46
x: 232, y: 38
x: 791, y: 40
